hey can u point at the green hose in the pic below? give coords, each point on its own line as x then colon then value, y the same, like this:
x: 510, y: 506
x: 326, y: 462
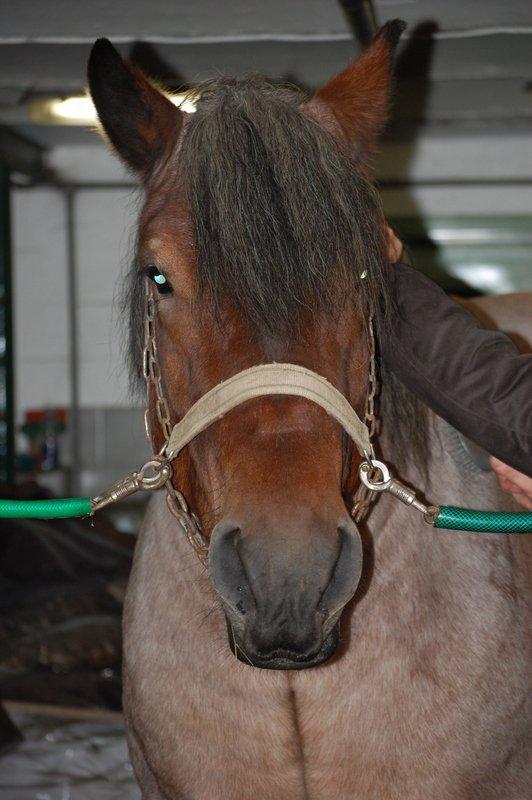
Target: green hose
x: 449, y: 517
x: 464, y: 519
x: 45, y: 509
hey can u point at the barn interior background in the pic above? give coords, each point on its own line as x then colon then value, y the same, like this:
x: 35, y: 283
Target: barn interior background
x: 455, y: 175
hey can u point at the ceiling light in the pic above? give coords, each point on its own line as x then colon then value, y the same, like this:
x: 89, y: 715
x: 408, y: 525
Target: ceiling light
x: 73, y: 110
x: 79, y: 109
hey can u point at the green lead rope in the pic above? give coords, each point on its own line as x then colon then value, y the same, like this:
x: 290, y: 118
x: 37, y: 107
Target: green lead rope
x: 45, y: 509
x: 448, y: 518
x: 463, y: 519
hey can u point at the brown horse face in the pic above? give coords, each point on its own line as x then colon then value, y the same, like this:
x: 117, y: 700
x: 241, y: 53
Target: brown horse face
x: 271, y: 481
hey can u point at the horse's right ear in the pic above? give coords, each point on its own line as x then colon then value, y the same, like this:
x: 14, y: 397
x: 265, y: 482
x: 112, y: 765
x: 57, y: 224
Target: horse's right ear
x: 139, y: 120
x: 353, y: 106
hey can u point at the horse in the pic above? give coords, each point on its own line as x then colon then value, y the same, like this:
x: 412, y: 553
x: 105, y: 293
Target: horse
x: 265, y: 668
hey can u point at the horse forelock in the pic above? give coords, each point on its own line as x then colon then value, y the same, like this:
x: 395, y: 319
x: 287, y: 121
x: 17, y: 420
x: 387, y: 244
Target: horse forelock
x: 283, y: 222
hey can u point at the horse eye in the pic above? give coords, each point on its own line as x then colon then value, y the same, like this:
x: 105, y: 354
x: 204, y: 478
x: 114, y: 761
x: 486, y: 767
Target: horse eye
x: 163, y: 286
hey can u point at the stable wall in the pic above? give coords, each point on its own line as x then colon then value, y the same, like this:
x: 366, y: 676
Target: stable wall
x: 104, y: 229
x: 109, y: 438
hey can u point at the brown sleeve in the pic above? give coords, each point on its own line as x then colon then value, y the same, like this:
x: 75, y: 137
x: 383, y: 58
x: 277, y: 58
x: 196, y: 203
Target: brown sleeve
x: 474, y: 378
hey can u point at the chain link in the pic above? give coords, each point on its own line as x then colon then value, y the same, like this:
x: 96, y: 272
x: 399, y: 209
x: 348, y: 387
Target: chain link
x: 175, y: 500
x: 364, y: 498
x: 152, y: 373
x: 370, y: 416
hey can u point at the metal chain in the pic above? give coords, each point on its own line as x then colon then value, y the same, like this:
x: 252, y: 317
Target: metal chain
x: 370, y: 416
x: 364, y: 497
x: 175, y: 500
x: 152, y: 374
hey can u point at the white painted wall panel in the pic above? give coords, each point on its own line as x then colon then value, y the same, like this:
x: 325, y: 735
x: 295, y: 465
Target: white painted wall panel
x: 105, y: 228
x: 467, y: 200
x: 90, y: 163
x: 446, y: 158
x: 40, y: 298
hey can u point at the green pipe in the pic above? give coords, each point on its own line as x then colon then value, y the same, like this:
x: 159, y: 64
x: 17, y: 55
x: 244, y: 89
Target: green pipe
x: 464, y: 519
x: 45, y: 509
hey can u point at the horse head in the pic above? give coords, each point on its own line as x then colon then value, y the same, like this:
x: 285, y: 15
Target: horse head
x: 260, y: 240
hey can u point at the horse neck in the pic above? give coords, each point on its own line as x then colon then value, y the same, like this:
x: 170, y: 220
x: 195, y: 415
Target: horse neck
x: 443, y: 571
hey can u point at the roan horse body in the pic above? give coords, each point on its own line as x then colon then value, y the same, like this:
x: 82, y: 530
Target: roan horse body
x: 423, y: 693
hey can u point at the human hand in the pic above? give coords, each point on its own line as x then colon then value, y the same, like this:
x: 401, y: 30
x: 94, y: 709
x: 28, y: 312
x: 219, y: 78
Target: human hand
x: 394, y: 246
x: 515, y: 483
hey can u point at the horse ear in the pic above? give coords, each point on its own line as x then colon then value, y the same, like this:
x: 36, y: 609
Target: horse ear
x: 138, y: 119
x: 354, y: 104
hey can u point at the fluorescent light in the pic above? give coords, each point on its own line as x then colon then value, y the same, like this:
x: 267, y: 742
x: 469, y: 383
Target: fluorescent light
x: 74, y: 110
x: 488, y: 278
x: 79, y: 109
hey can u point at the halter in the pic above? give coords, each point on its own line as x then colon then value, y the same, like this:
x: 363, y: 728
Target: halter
x: 268, y: 379
x: 259, y: 381
x: 282, y: 379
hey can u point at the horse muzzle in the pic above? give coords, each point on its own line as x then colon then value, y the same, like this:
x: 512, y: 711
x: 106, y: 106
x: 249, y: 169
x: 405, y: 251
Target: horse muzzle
x: 283, y: 595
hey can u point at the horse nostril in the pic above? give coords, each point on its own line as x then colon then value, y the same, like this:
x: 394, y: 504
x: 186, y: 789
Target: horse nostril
x: 227, y: 569
x: 346, y: 573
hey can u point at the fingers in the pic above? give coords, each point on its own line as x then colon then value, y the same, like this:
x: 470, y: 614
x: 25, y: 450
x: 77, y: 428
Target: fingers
x: 515, y: 483
x: 394, y: 246
x: 505, y: 471
x: 500, y: 467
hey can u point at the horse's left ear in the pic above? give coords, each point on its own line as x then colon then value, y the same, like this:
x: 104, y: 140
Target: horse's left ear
x: 139, y: 120
x: 354, y: 105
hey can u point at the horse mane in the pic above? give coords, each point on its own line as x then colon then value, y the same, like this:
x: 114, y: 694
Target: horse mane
x: 284, y: 222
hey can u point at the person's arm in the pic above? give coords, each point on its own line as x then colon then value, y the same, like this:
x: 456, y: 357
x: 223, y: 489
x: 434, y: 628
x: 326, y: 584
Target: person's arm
x: 474, y: 378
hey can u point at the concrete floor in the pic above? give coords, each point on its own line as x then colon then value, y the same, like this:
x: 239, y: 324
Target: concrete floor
x: 67, y: 755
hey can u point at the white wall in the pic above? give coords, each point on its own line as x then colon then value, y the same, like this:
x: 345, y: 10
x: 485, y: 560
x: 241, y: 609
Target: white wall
x: 430, y: 200
x: 434, y: 160
x: 40, y: 298
x: 451, y: 157
x: 104, y: 223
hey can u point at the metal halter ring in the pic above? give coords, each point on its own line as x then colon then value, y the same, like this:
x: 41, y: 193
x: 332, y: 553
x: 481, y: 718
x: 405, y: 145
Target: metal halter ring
x: 154, y: 474
x: 373, y: 464
x: 395, y: 487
